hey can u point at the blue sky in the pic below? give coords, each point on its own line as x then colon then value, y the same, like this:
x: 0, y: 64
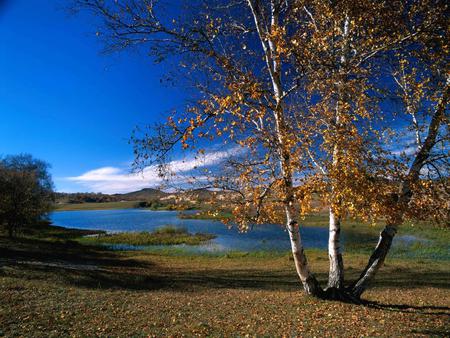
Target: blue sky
x: 64, y: 102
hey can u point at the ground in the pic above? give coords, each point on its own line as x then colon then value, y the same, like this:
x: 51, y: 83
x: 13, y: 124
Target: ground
x: 51, y: 286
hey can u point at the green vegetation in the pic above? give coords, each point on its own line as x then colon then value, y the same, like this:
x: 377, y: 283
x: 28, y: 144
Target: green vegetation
x: 147, y: 198
x: 361, y: 237
x: 153, y: 205
x: 96, y: 206
x: 163, y: 236
x: 163, y: 205
x: 26, y: 192
x: 414, y: 240
x: 53, y: 286
x: 205, y: 215
x: 44, y: 231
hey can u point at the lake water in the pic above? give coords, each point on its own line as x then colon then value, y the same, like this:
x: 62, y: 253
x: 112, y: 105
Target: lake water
x: 267, y: 237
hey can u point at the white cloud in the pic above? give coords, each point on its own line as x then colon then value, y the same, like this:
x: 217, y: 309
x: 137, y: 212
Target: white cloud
x: 404, y: 144
x: 117, y: 180
x: 406, y: 150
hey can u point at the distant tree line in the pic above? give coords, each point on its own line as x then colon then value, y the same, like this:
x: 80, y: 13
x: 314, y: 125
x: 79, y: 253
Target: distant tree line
x: 85, y: 197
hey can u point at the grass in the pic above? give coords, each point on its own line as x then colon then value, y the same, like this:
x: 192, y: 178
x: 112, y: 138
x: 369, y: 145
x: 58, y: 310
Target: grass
x: 205, y: 215
x: 51, y: 285
x: 361, y: 237
x: 163, y: 236
x: 52, y: 233
x: 96, y: 206
x: 57, y: 290
x: 118, y: 205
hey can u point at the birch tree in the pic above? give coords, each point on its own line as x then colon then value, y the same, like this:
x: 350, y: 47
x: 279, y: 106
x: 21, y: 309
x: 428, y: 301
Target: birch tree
x: 338, y: 45
x: 245, y: 84
x: 295, y: 84
x: 346, y: 47
x: 421, y: 81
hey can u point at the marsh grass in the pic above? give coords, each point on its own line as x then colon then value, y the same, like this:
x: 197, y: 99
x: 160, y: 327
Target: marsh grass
x: 167, y: 235
x: 45, y: 231
x: 96, y: 206
x: 205, y: 215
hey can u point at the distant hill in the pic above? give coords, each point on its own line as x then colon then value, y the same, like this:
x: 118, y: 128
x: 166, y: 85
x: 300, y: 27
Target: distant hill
x: 84, y: 197
x: 143, y: 194
x: 88, y: 197
x: 204, y: 194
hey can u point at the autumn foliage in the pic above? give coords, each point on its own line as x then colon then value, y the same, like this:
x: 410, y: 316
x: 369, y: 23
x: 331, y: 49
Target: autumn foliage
x: 341, y: 101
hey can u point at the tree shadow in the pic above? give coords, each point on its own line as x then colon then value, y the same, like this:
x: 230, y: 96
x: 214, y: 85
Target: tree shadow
x: 442, y: 331
x: 408, y: 308
x: 153, y: 277
x: 63, y: 253
x: 411, y: 278
x: 96, y: 267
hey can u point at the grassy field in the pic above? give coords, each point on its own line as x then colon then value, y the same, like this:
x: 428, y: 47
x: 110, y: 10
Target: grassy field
x: 51, y: 285
x: 96, y: 206
x: 205, y: 215
x: 163, y: 236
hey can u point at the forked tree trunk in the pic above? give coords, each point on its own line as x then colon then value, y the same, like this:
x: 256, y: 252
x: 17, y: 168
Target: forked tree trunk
x: 336, y: 273
x: 376, y: 260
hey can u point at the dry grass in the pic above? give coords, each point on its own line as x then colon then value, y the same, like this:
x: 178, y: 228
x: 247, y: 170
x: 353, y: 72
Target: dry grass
x: 65, y: 289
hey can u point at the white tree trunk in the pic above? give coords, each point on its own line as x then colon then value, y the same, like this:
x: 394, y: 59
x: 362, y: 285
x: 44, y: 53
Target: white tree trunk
x: 378, y: 256
x: 310, y: 283
x: 376, y: 260
x: 336, y: 273
x: 308, y: 280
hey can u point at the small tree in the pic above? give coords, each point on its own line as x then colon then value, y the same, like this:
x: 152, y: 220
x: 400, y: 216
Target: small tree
x: 26, y: 191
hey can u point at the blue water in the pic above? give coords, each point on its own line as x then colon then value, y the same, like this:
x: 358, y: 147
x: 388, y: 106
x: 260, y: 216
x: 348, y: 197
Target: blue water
x: 266, y: 237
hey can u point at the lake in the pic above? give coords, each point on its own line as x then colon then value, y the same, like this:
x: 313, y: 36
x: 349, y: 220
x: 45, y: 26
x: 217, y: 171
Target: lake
x: 268, y: 237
